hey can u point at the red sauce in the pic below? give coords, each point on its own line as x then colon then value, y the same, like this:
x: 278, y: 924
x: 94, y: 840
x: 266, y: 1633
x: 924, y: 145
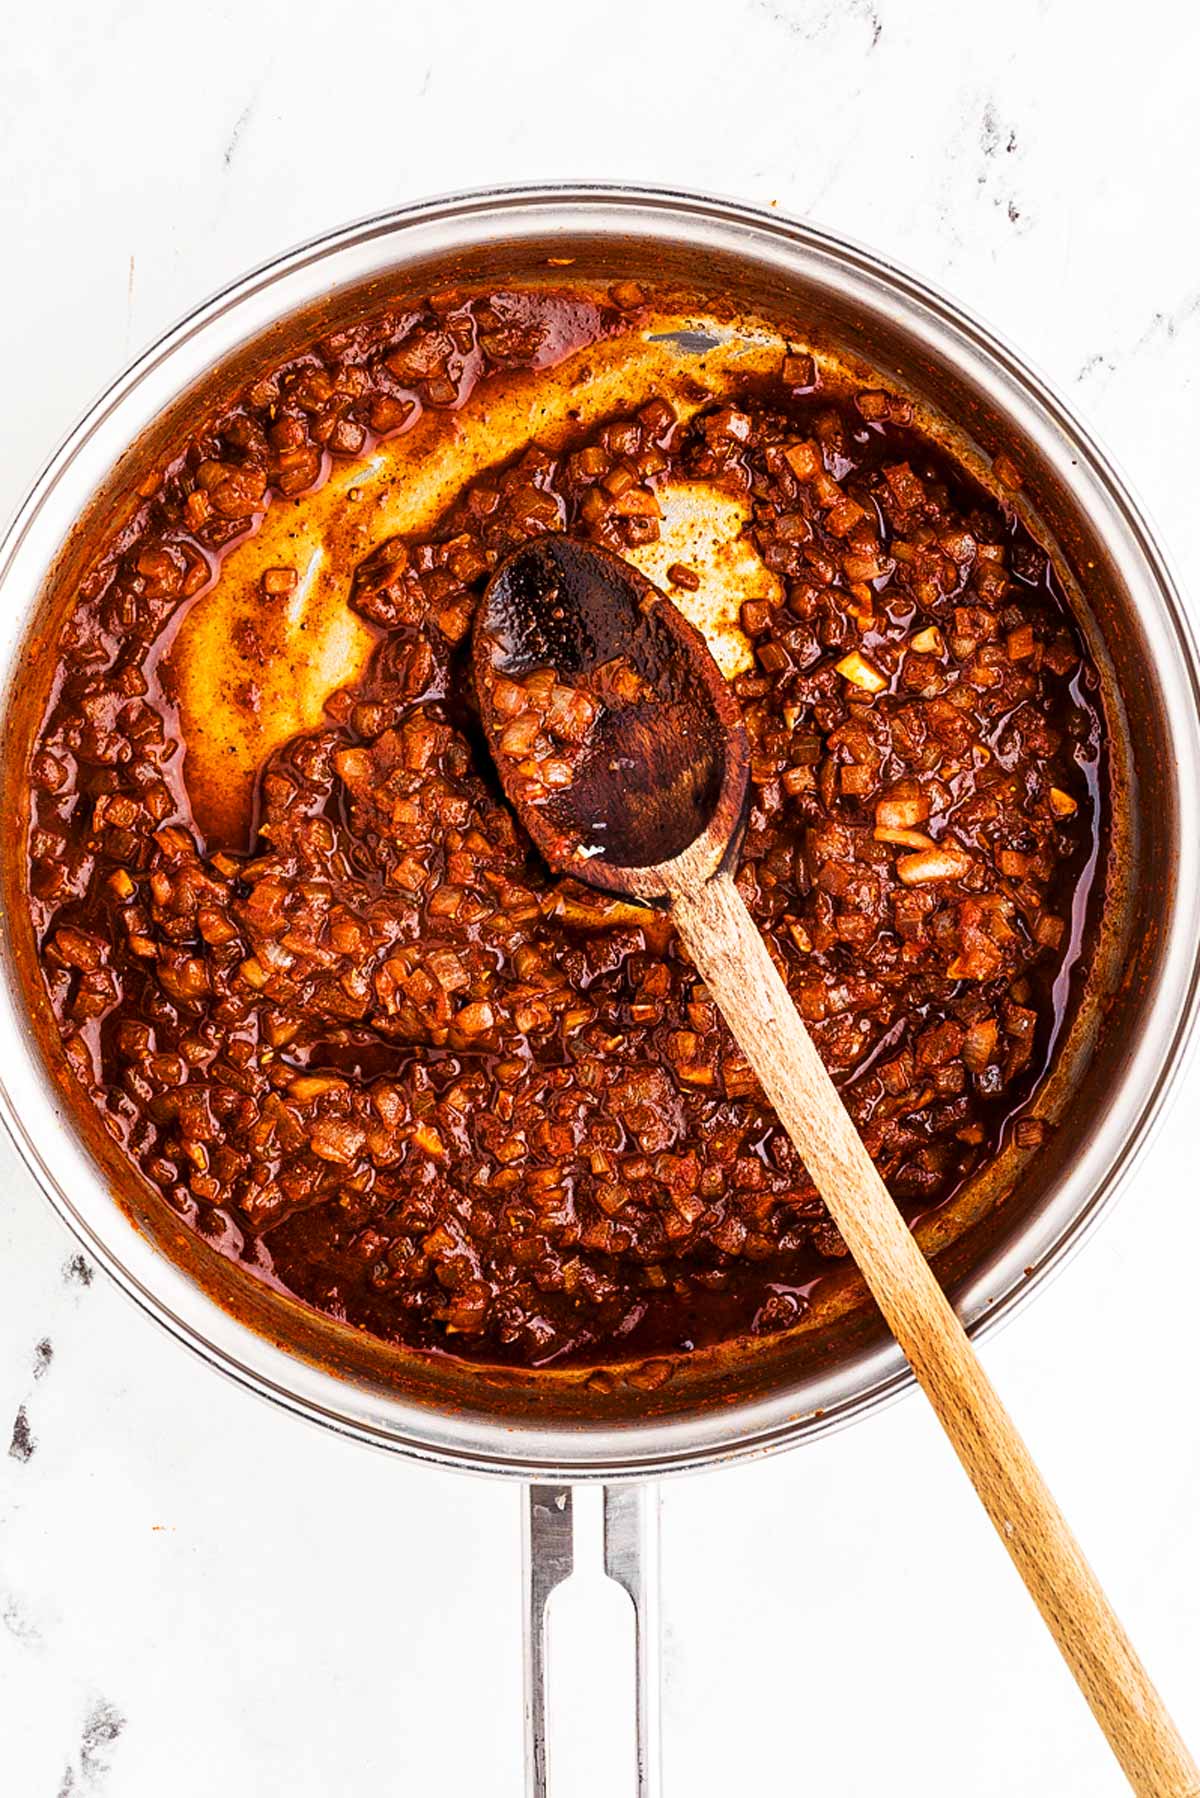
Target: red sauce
x: 390, y: 1062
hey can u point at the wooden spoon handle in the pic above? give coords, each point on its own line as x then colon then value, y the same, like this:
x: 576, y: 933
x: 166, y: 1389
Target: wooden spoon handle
x: 729, y: 952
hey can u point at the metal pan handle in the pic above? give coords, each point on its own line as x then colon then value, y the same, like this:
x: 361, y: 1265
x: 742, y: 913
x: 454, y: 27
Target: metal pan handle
x: 631, y: 1559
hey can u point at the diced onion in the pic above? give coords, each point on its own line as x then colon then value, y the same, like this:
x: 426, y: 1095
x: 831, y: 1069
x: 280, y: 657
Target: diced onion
x: 939, y: 863
x: 860, y: 673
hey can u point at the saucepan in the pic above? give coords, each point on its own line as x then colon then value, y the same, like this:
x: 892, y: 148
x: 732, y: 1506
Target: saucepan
x: 996, y: 1241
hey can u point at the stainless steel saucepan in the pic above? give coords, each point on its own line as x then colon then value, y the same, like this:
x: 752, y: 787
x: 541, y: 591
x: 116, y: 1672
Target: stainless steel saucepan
x: 1117, y: 1060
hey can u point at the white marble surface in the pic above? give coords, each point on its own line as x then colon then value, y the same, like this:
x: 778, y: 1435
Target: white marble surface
x: 200, y: 1596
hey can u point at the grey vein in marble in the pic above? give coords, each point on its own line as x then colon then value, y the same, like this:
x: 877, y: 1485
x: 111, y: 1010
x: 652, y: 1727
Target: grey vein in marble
x: 998, y: 141
x: 18, y: 1622
x: 101, y: 1729
x: 24, y: 1444
x: 822, y: 18
x: 1164, y: 328
x: 1093, y: 365
x: 1169, y: 324
x: 240, y: 124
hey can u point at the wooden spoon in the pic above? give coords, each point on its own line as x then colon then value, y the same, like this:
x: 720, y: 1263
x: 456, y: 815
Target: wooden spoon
x: 648, y: 801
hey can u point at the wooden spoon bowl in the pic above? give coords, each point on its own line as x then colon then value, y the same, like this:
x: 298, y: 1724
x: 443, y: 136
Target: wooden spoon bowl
x: 657, y: 774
